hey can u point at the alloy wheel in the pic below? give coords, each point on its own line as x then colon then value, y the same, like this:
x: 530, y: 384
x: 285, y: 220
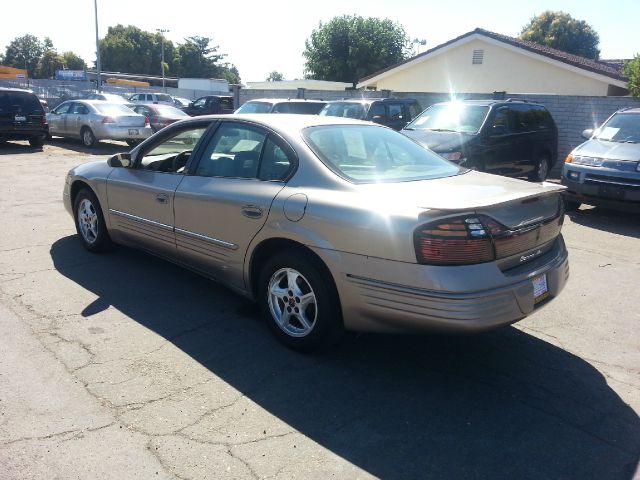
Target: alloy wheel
x: 292, y: 302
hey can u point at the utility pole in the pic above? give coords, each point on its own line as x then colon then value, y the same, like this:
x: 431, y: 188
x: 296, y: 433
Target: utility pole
x: 98, y: 79
x: 162, y: 32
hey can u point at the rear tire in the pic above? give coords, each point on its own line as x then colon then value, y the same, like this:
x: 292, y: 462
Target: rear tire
x: 541, y: 170
x: 88, y: 138
x: 90, y: 223
x: 571, y: 205
x: 132, y: 143
x: 299, y: 301
x: 36, y: 142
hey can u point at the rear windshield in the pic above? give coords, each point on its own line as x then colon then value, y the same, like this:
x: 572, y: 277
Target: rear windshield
x: 451, y: 117
x: 303, y: 108
x: 255, y: 107
x: 20, y: 101
x: 168, y: 111
x: 114, y: 109
x: 345, y: 109
x: 372, y: 154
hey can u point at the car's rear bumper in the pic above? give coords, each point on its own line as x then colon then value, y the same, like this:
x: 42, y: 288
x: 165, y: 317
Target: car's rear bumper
x: 113, y: 132
x: 24, y: 132
x: 388, y: 296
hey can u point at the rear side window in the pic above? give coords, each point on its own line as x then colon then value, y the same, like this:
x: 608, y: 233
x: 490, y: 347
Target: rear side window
x: 226, y: 103
x: 377, y: 110
x: 164, y: 98
x: 530, y: 118
x: 414, y: 110
x: 395, y: 111
x: 255, y: 107
x: 20, y: 101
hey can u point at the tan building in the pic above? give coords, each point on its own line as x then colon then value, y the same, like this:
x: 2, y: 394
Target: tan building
x: 482, y: 62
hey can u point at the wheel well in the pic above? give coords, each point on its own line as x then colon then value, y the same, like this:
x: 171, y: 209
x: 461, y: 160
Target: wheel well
x: 76, y: 187
x: 270, y: 247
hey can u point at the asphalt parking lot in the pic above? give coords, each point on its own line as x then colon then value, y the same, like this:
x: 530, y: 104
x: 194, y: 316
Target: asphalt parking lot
x: 123, y: 366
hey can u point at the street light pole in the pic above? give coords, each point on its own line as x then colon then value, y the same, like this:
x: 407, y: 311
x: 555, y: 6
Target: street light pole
x: 162, y: 32
x: 98, y: 79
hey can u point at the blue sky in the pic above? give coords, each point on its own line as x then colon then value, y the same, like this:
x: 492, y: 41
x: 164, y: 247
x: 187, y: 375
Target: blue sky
x: 260, y: 36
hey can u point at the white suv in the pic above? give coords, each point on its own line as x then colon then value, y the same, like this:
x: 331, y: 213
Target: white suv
x: 153, y: 98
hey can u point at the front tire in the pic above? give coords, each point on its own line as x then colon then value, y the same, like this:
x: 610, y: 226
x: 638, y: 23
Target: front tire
x: 88, y: 138
x: 90, y: 223
x: 299, y: 301
x: 36, y: 141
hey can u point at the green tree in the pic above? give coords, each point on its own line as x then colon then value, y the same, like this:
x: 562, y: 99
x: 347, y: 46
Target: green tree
x: 48, y: 64
x: 275, y: 77
x: 132, y: 50
x: 230, y: 73
x: 198, y: 59
x: 348, y: 48
x: 632, y: 70
x: 561, y: 31
x: 24, y: 51
x: 72, y: 61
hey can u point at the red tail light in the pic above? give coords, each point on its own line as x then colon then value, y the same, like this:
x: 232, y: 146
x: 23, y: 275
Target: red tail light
x: 108, y: 120
x: 466, y: 240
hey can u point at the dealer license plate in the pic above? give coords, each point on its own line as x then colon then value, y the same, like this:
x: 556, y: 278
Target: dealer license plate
x: 540, y: 290
x: 133, y: 131
x: 21, y: 118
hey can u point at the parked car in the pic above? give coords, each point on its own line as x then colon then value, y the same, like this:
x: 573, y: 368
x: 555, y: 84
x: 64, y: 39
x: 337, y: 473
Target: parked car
x: 160, y: 115
x: 108, y: 97
x: 605, y: 170
x: 95, y: 120
x: 181, y: 102
x: 22, y: 117
x: 152, y: 98
x: 282, y: 105
x: 329, y: 223
x: 392, y: 112
x: 210, y: 105
x: 511, y: 137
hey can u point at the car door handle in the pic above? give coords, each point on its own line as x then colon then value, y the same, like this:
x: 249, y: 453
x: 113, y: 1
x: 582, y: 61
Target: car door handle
x: 251, y: 211
x: 162, y: 198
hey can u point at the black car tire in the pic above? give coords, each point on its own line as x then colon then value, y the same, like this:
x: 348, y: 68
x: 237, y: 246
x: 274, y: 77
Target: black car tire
x: 328, y: 327
x: 100, y: 242
x: 87, y: 137
x: 132, y: 143
x: 541, y: 170
x: 36, y: 141
x: 571, y: 205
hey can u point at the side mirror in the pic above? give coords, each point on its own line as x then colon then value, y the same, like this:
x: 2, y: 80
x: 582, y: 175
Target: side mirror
x: 588, y: 133
x: 120, y: 160
x: 498, y: 130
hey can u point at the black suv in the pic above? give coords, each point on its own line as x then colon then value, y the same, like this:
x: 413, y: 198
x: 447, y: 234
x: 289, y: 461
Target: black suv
x: 506, y: 137
x: 22, y: 117
x: 392, y: 112
x: 210, y: 105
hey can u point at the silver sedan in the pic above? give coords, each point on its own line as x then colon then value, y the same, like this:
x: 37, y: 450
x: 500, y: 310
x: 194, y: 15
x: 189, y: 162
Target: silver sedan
x: 330, y: 224
x: 95, y: 120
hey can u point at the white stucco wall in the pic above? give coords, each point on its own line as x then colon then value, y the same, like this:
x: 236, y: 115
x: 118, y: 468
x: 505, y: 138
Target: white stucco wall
x: 503, y: 69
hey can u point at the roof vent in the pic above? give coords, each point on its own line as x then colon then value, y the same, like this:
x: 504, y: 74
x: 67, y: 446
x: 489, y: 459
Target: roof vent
x: 478, y: 56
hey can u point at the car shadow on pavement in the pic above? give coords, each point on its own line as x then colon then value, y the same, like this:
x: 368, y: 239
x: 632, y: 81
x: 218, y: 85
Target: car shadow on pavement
x: 17, y: 148
x: 613, y: 221
x: 101, y: 148
x: 498, y: 405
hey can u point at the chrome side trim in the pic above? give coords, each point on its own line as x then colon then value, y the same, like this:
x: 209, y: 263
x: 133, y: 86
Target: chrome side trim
x: 199, y: 236
x: 140, y: 219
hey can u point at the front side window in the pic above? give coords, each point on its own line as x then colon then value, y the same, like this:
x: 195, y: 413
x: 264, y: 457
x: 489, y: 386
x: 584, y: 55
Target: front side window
x: 234, y: 151
x: 377, y: 110
x: 171, y: 154
x: 451, y: 117
x: 161, y: 97
x: 64, y: 108
x: 371, y: 154
x: 622, y: 127
x: 199, y: 103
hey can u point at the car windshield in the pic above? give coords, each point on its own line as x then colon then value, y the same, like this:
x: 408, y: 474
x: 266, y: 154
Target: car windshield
x: 113, y: 109
x: 622, y: 127
x: 451, y: 117
x: 372, y: 154
x: 345, y: 109
x: 255, y: 107
x: 168, y: 111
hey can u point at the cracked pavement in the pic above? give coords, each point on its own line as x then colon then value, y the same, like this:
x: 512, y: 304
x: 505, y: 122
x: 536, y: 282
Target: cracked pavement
x: 124, y: 366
